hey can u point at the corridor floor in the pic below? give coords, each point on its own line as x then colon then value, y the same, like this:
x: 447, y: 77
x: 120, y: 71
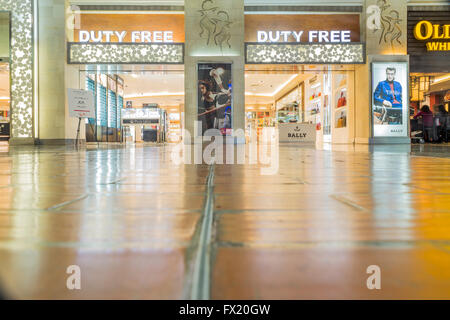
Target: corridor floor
x: 133, y: 220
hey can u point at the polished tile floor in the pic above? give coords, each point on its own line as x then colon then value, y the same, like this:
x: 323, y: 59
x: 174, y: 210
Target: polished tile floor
x: 131, y: 219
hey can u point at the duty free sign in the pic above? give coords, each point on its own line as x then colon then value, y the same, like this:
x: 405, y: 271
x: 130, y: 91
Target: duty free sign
x: 302, y: 28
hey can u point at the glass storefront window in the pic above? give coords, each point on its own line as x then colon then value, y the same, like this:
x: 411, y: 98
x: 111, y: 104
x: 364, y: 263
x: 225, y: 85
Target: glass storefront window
x: 5, y: 100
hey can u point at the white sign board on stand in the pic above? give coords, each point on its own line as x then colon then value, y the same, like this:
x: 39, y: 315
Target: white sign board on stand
x: 81, y: 103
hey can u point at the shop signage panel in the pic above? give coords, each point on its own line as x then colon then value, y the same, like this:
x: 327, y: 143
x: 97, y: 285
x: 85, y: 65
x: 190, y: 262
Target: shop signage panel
x: 297, y: 132
x: 140, y: 114
x: 215, y: 97
x: 140, y: 121
x: 437, y: 36
x: 81, y: 103
x: 429, y: 41
x: 130, y: 28
x: 390, y: 111
x: 302, y: 28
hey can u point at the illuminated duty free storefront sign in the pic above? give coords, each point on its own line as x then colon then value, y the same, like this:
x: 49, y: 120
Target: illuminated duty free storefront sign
x: 321, y: 36
x: 119, y: 36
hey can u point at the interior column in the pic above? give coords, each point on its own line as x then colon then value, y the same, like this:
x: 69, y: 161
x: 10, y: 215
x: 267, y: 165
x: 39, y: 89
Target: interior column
x: 226, y: 20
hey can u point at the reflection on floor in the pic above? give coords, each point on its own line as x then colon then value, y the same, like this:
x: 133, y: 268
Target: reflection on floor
x: 129, y: 216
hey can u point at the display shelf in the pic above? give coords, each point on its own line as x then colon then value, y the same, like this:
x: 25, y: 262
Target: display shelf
x: 338, y: 94
x: 119, y: 111
x: 102, y: 110
x: 112, y: 109
x: 314, y: 103
x: 340, y: 121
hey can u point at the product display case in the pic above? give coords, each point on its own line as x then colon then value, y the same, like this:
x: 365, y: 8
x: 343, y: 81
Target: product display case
x: 314, y: 101
x: 341, y: 99
x: 257, y: 120
x: 174, y: 127
x: 327, y: 112
x: 263, y: 119
x: 290, y: 107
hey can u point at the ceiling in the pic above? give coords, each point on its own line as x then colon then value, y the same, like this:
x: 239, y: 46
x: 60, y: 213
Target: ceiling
x: 265, y: 84
x: 250, y: 2
x: 153, y: 83
x: 260, y: 88
x: 247, y: 2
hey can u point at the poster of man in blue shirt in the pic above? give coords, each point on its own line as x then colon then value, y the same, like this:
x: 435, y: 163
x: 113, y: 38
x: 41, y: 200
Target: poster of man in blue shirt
x: 388, y: 100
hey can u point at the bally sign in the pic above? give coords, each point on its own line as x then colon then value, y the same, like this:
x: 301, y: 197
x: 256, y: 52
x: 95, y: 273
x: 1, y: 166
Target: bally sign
x: 297, y: 132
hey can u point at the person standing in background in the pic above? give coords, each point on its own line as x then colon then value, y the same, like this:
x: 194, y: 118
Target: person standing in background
x: 427, y: 118
x: 442, y: 117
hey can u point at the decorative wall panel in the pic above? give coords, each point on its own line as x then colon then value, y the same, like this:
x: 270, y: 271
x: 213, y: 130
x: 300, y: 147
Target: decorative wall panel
x: 125, y: 53
x: 314, y: 53
x: 21, y: 65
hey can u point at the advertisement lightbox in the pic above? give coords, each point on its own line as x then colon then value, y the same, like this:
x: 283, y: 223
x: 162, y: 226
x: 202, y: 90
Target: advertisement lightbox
x: 215, y: 97
x: 390, y: 99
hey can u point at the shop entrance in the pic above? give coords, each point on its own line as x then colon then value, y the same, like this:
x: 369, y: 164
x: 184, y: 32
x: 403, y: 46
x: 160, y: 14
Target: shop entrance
x: 430, y: 91
x: 5, y: 84
x: 135, y: 103
x: 306, y: 103
x: 5, y: 102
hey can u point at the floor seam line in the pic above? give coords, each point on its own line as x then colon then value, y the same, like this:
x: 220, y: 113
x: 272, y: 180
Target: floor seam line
x: 201, y: 271
x: 60, y: 205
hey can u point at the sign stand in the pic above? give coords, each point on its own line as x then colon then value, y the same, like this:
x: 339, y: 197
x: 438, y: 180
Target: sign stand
x: 78, y: 133
x: 81, y: 105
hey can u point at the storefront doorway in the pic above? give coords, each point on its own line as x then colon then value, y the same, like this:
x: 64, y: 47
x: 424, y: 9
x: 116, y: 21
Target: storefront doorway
x: 306, y: 103
x: 429, y: 74
x: 431, y: 89
x: 135, y: 103
x: 5, y: 100
x: 5, y: 82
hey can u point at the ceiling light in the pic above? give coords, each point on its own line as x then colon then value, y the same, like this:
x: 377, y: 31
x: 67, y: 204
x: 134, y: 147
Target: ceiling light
x: 440, y: 79
x: 155, y: 94
x: 284, y: 84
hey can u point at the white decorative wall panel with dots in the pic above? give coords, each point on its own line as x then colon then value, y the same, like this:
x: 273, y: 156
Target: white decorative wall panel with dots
x: 311, y: 53
x: 125, y: 53
x: 21, y: 66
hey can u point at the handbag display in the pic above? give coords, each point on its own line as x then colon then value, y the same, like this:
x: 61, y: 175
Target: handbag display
x: 342, y: 101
